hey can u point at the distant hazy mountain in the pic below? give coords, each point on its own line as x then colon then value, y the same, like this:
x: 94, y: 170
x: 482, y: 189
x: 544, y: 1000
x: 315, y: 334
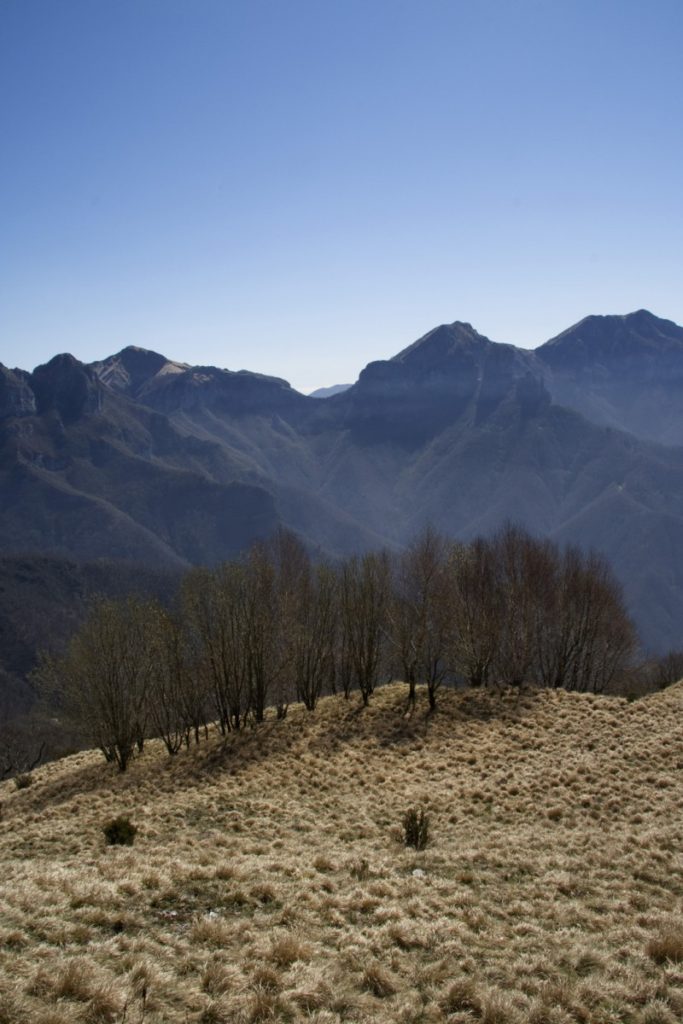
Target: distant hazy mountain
x: 139, y: 457
x: 336, y: 389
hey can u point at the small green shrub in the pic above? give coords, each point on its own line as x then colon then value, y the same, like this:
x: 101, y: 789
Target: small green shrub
x: 23, y: 780
x: 416, y: 828
x: 119, y: 831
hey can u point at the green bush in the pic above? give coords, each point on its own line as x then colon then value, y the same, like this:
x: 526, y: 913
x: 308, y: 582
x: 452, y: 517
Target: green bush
x: 119, y: 831
x: 416, y: 828
x: 23, y: 780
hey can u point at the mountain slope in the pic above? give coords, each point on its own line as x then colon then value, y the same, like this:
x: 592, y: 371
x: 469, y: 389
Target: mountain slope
x: 622, y: 371
x: 92, y: 474
x: 268, y: 879
x: 430, y: 384
x: 462, y: 432
x: 169, y: 464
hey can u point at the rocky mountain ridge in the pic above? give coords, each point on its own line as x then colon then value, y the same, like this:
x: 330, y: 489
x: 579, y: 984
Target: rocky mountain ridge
x: 140, y: 457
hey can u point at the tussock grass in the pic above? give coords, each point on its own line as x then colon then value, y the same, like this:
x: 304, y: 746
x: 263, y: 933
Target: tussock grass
x: 269, y: 879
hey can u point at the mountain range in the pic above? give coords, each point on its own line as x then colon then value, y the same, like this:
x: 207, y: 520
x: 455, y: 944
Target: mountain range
x: 138, y: 458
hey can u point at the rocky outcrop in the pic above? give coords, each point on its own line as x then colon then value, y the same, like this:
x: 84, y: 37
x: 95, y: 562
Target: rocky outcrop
x: 16, y: 396
x: 67, y: 387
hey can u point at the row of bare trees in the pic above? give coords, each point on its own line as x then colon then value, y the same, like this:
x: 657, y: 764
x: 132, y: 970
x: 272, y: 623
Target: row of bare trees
x: 275, y: 627
x: 509, y: 610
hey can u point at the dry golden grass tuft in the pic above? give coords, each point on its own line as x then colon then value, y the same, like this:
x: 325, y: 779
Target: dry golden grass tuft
x: 269, y: 879
x: 668, y: 943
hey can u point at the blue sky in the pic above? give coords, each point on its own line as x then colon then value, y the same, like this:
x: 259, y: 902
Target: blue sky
x: 300, y: 186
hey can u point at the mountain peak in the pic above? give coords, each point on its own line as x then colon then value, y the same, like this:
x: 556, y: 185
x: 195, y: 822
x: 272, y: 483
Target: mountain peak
x: 133, y: 367
x: 63, y: 362
x: 635, y: 335
x: 136, y: 355
x: 16, y: 397
x: 67, y: 386
x: 442, y: 342
x: 449, y: 373
x: 643, y: 315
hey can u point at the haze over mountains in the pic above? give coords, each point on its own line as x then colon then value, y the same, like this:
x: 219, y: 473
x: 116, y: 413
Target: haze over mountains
x: 335, y: 389
x: 140, y: 458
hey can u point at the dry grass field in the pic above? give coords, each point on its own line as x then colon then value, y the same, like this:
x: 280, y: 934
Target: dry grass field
x: 268, y: 880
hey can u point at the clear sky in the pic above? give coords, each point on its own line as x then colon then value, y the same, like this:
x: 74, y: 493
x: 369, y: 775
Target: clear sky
x: 300, y: 186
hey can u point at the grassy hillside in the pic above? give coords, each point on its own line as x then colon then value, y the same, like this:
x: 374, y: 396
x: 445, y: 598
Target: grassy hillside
x: 268, y: 880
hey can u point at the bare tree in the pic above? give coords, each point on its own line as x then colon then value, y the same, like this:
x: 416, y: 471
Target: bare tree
x: 261, y: 629
x: 240, y: 619
x: 605, y: 636
x: 104, y: 678
x: 558, y: 637
x: 364, y: 593
x: 402, y: 616
x: 527, y: 612
x: 521, y: 564
x: 19, y: 753
x: 343, y: 662
x: 177, y: 698
x: 666, y: 670
x: 292, y: 567
x: 214, y: 605
x: 420, y: 615
x: 313, y: 634
x: 585, y: 639
x: 478, y: 609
